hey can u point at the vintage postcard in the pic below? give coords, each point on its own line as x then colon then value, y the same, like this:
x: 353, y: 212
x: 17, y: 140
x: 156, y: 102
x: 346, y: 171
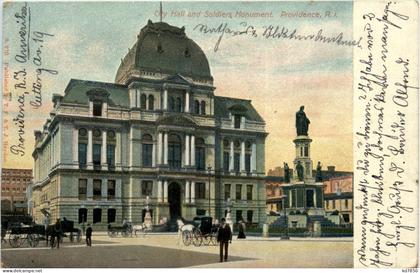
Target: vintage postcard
x: 242, y: 134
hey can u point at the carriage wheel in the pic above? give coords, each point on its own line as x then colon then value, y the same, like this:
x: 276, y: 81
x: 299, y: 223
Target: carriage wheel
x: 197, y: 238
x: 207, y: 239
x: 213, y: 239
x: 33, y: 239
x: 15, y: 240
x: 186, y: 237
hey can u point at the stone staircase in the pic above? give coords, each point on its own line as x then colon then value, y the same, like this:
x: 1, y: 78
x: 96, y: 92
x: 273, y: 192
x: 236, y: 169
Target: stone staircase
x: 324, y: 221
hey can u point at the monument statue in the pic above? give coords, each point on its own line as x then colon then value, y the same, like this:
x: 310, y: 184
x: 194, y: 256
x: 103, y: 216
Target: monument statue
x: 286, y: 173
x: 299, y: 170
x: 318, y: 175
x: 302, y: 122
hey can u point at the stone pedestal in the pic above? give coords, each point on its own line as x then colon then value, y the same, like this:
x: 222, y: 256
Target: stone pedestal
x: 148, y: 220
x: 317, y: 229
x: 303, y: 155
x: 229, y: 219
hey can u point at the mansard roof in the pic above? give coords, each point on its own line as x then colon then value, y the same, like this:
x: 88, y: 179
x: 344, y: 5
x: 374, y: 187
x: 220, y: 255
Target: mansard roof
x: 78, y: 91
x: 225, y: 105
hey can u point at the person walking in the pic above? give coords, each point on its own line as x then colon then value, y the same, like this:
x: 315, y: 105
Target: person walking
x: 241, y: 227
x: 56, y: 234
x: 224, y: 237
x: 89, y: 235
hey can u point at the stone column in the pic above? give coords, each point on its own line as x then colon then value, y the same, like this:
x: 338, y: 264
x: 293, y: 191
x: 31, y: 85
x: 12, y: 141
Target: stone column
x: 290, y: 199
x: 242, y: 160
x: 90, y: 108
x: 192, y: 192
x: 118, y: 188
x: 104, y: 189
x: 254, y: 158
x: 242, y: 122
x: 212, y: 106
x: 104, y: 109
x: 231, y: 157
x: 75, y: 146
x: 187, y: 102
x: 315, y: 204
x: 103, y: 153
x: 154, y: 155
x: 159, y: 148
x: 118, y: 148
x: 165, y: 191
x: 187, y: 191
x: 159, y: 191
x: 138, y: 102
x: 165, y: 99
x: 165, y: 148
x: 89, y: 149
x: 192, y: 150
x: 187, y: 150
x: 89, y: 190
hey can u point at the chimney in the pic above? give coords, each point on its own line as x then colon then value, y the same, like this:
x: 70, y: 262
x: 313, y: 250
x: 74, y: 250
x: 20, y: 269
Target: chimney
x: 331, y: 169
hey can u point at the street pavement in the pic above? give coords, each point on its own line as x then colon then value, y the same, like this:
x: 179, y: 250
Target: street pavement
x: 166, y: 250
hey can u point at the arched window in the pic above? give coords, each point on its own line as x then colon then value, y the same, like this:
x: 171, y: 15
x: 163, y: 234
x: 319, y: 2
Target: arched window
x: 83, y: 215
x: 151, y: 102
x: 82, y: 147
x: 97, y: 147
x: 200, y: 154
x: 178, y: 105
x: 196, y: 107
x: 171, y: 103
x: 147, y: 150
x: 174, y: 151
x: 203, y: 107
x: 143, y: 101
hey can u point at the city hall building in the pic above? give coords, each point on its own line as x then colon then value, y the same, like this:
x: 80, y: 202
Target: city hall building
x: 158, y: 136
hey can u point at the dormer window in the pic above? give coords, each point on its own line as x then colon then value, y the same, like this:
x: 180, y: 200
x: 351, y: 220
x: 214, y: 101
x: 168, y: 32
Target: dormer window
x: 237, y: 121
x: 97, y: 108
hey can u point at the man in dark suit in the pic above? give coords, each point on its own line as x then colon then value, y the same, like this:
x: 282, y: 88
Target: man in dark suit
x: 57, y: 229
x: 89, y: 235
x: 224, y: 236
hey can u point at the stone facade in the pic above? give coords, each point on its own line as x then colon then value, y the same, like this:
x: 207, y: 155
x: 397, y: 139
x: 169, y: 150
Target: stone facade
x: 159, y: 131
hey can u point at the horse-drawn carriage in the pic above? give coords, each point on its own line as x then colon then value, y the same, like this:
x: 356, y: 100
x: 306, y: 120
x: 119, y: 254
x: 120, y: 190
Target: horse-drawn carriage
x: 200, y: 231
x: 67, y: 230
x: 125, y: 230
x: 19, y: 233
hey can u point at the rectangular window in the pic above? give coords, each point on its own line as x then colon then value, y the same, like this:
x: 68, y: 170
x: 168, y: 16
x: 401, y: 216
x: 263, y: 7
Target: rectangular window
x: 82, y: 215
x: 110, y: 154
x: 97, y: 108
x: 237, y: 162
x: 147, y: 188
x: 147, y: 152
x: 200, y: 190
x: 111, y: 215
x: 82, y: 153
x: 238, y: 192
x: 237, y: 121
x: 96, y: 155
x: 227, y: 191
x: 248, y: 163
x: 111, y: 189
x: 248, y: 192
x: 97, y: 184
x: 333, y: 204
x: 346, y: 203
x: 97, y: 215
x: 226, y: 158
x: 238, y: 215
x: 249, y: 215
x: 82, y: 189
x: 201, y: 212
x: 200, y: 157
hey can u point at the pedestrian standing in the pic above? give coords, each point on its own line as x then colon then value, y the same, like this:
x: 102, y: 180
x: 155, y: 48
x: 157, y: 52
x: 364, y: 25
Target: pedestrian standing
x: 241, y: 227
x: 224, y: 237
x: 89, y: 235
x: 56, y: 234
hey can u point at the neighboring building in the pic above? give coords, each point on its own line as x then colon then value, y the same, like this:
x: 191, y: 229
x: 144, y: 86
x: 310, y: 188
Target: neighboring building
x: 14, y: 183
x: 338, y: 196
x: 154, y: 132
x: 275, y: 194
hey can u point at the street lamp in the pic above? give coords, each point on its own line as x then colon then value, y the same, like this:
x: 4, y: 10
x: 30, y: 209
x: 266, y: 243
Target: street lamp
x: 286, y: 233
x: 209, y: 168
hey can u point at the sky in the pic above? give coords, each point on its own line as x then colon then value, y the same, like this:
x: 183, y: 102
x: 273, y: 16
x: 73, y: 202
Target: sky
x: 89, y: 39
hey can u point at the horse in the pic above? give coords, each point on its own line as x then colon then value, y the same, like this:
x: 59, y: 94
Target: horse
x: 183, y: 226
x: 140, y: 228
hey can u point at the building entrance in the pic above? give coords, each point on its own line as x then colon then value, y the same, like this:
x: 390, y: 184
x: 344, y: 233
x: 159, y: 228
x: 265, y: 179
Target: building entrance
x: 174, y: 199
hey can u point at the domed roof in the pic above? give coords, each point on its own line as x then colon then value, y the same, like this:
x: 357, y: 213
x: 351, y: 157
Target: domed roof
x: 165, y: 49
